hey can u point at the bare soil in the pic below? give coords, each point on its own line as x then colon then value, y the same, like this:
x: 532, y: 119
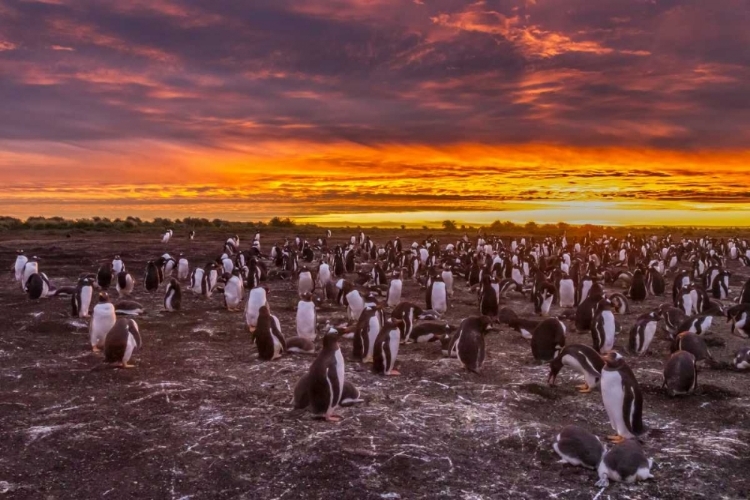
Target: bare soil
x: 202, y: 418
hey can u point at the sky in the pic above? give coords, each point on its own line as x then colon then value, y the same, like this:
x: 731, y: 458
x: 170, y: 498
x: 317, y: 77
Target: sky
x: 377, y: 111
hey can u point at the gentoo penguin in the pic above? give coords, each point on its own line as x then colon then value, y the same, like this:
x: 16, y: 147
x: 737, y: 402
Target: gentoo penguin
x: 698, y: 324
x: 300, y: 345
x: 20, y: 264
x: 129, y: 308
x: 543, y: 298
x: 367, y: 330
x: 104, y: 275
x: 742, y: 358
x: 581, y: 358
x: 567, y: 291
x: 153, y: 277
x: 603, y: 327
x: 578, y: 447
x: 355, y: 304
x: 680, y: 374
x: 385, y: 349
x: 620, y: 304
x: 406, y: 313
x: 488, y: 296
x: 121, y: 341
x: 582, y: 291
x: 31, y: 267
x: 166, y: 236
x: 325, y: 380
x: 191, y: 235
x: 234, y: 291
x: 118, y: 265
x: 547, y: 339
x: 437, y: 296
x: 429, y: 332
x: 692, y: 343
x: 196, y: 280
x: 394, y: 290
x: 625, y: 462
x: 739, y: 317
x: 306, y: 283
x: 622, y: 398
x: 267, y: 336
x: 637, y: 291
x: 673, y: 318
x: 469, y: 342
x: 655, y: 282
x: 102, y: 320
x: 210, y: 278
x: 447, y: 276
x: 255, y: 300
x: 324, y: 274
x: 642, y: 333
x: 183, y: 268
x: 307, y: 318
x: 685, y: 299
x: 81, y: 300
x: 125, y: 284
x: 744, y: 297
x: 173, y: 296
x: 586, y: 309
x: 350, y: 395
x: 37, y: 286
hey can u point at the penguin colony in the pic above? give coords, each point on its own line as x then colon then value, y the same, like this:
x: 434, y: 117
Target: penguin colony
x: 563, y: 280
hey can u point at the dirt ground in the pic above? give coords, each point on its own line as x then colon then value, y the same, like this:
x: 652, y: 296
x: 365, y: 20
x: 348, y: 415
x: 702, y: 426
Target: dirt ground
x: 201, y: 418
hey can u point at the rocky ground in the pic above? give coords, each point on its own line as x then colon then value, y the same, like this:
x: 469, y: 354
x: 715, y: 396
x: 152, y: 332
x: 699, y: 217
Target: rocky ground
x: 201, y: 418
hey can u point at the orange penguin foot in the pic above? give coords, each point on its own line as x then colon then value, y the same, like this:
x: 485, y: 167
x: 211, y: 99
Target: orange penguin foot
x: 394, y: 373
x: 583, y: 388
x: 333, y: 418
x: 616, y: 439
x: 95, y: 349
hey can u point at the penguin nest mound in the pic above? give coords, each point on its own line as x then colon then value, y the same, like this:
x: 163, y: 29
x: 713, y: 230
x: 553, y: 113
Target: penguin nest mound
x: 200, y: 417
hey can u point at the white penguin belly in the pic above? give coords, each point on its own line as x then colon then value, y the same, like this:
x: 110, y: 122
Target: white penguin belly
x: 394, y: 293
x: 613, y: 397
x: 439, y: 303
x: 129, y: 348
x: 567, y: 294
x: 394, y: 338
x: 86, y: 293
x: 609, y: 331
x: 340, y: 376
x: 306, y: 320
x: 102, y: 321
x: 573, y: 362
x: 373, y: 328
x: 648, y: 336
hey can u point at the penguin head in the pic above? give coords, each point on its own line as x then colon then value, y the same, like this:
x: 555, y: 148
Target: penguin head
x: 307, y: 297
x: 613, y: 359
x: 103, y: 297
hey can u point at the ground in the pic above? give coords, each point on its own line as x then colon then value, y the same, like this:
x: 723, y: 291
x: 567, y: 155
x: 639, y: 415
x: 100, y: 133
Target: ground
x: 201, y: 418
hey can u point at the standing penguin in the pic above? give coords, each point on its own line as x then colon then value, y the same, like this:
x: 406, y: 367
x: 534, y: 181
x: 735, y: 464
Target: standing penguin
x: 469, y: 342
x: 680, y: 374
x: 234, y: 292
x: 153, y: 276
x: 121, y: 341
x: 183, y: 268
x: 196, y: 280
x: 394, y: 290
x: 167, y: 236
x: 20, y: 264
x: 567, y: 291
x: 744, y: 297
x: 638, y: 291
x: 102, y: 321
x: 543, y: 298
x: 267, y: 336
x: 547, y: 339
x: 31, y: 267
x: 583, y: 359
x: 488, y: 296
x: 622, y: 398
x: 625, y: 462
x: 367, y: 330
x: 125, y: 284
x: 437, y: 295
x: 447, y: 276
x: 173, y: 296
x: 104, y: 275
x: 578, y: 447
x: 306, y: 283
x: 325, y: 383
x: 405, y: 314
x: 642, y: 333
x: 81, y: 300
x: 118, y: 265
x: 255, y: 300
x: 603, y: 327
x: 385, y: 349
x: 324, y: 274
x: 685, y: 299
x: 307, y: 318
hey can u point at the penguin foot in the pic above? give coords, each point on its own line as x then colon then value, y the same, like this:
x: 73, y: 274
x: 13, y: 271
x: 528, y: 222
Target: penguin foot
x: 125, y: 365
x: 95, y: 349
x: 333, y: 418
x: 603, y: 482
x: 583, y: 389
x: 394, y: 373
x: 617, y: 439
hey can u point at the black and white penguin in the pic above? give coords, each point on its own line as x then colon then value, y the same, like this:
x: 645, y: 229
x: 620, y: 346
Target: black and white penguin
x: 125, y: 284
x: 234, y: 291
x: 742, y: 358
x: 548, y: 339
x: 197, y: 280
x: 685, y: 299
x: 153, y: 276
x: 31, y: 267
x: 638, y: 291
x: 469, y: 342
x: 437, y: 295
x: 20, y: 265
x: 256, y: 299
x: 680, y: 374
x: 566, y: 291
x: 355, y: 304
x: 183, y: 268
x: 350, y: 395
x: 581, y: 358
x: 620, y: 304
x: 307, y: 318
x: 81, y: 300
x: 543, y: 298
x: 698, y: 324
x: 121, y: 341
x: 655, y: 282
x: 625, y: 462
x: 744, y: 297
x: 37, y: 286
x: 429, y: 332
x: 305, y: 284
x: 587, y: 308
x: 720, y: 285
x: 367, y: 330
x: 739, y: 317
x: 583, y: 288
x: 191, y: 235
x: 622, y: 398
x: 268, y: 337
x: 603, y: 328
x: 299, y: 345
x: 167, y: 236
x: 103, y: 319
x: 173, y: 296
x: 385, y: 349
x: 104, y: 276
x: 488, y: 296
x: 118, y: 265
x: 673, y: 318
x: 642, y: 333
x: 129, y: 308
x: 578, y: 447
x: 406, y: 314
x: 692, y: 343
x: 325, y: 383
x: 395, y: 287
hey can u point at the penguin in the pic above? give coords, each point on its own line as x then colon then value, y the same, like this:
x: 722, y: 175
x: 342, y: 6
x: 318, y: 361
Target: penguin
x: 166, y: 236
x: 625, y: 462
x: 267, y: 336
x: 355, y: 304
x: 349, y: 397
x: 306, y: 284
x: 121, y: 341
x: 548, y: 339
x: 104, y: 276
x: 620, y: 303
x: 183, y: 269
x: 642, y: 333
x: 153, y: 277
x: 20, y: 265
x: 673, y: 318
x: 469, y: 342
x: 507, y: 285
x: 583, y: 359
x: 603, y: 327
x: 255, y: 300
x: 447, y: 276
x: 102, y: 320
x: 37, y: 286
x: 680, y: 374
x: 129, y: 308
x: 566, y: 291
x: 324, y: 274
x: 325, y: 382
x: 173, y: 296
x: 638, y: 291
x: 692, y: 343
x: 655, y: 282
x: 488, y: 297
x: 124, y: 284
x: 307, y: 318
x: 385, y: 349
x: 582, y: 291
x: 739, y: 316
x: 210, y: 278
x: 685, y: 299
x: 543, y: 298
x: 300, y: 345
x: 81, y: 300
x: 578, y: 447
x: 744, y: 297
x: 720, y: 285
x: 698, y: 324
x: 405, y: 314
x: 367, y: 330
x: 31, y: 267
x: 196, y: 280
x: 437, y: 296
x: 191, y: 235
x: 586, y: 309
x: 622, y: 398
x: 742, y: 358
x: 681, y: 280
x: 394, y: 290
x: 429, y: 332
x: 234, y: 291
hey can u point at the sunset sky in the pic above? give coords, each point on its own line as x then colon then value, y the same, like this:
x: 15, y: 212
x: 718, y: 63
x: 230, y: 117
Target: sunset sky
x: 377, y: 111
